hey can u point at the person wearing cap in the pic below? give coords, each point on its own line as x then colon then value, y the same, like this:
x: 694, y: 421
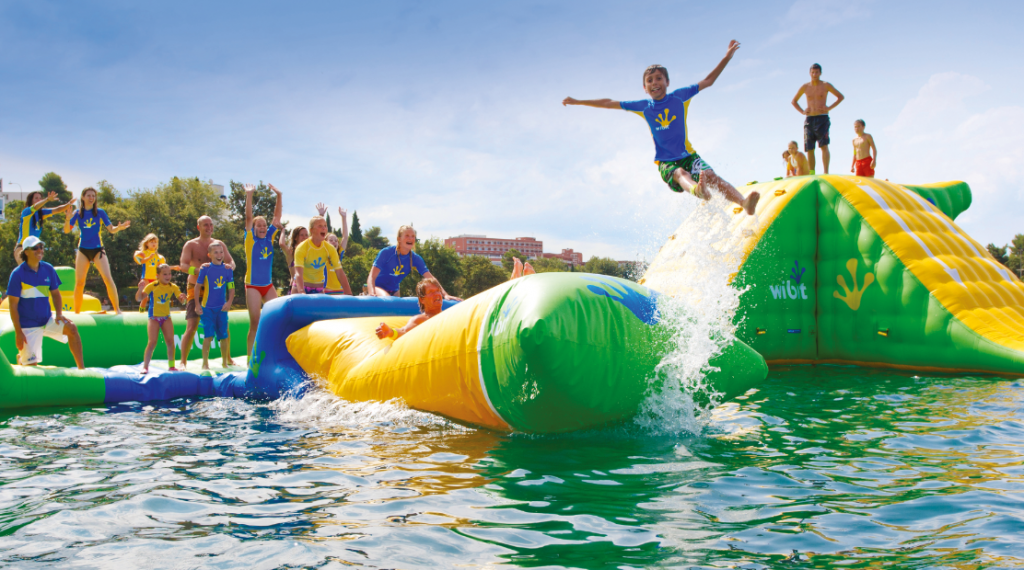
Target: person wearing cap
x: 33, y: 284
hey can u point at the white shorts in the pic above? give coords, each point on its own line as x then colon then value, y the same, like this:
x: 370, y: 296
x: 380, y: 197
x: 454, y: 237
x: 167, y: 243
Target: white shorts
x: 32, y: 353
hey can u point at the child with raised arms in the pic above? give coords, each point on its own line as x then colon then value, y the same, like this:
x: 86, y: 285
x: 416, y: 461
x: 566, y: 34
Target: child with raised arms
x: 313, y: 257
x: 150, y: 259
x: 160, y: 292
x: 394, y: 263
x: 215, y: 286
x: 259, y: 259
x: 679, y: 164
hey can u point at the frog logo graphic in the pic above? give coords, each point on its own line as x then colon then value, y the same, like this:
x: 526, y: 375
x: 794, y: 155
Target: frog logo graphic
x: 399, y: 271
x: 852, y: 296
x: 319, y: 263
x: 89, y: 224
x: 265, y: 253
x: 218, y: 283
x: 664, y: 120
x: 642, y: 302
x: 164, y: 298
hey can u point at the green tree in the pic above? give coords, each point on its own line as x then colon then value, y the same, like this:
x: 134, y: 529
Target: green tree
x: 106, y: 194
x: 1015, y: 261
x: 52, y: 182
x: 443, y: 263
x: 357, y: 267
x: 548, y: 265
x: 355, y: 234
x: 508, y: 263
x: 998, y: 252
x: 602, y: 266
x: 372, y: 239
x: 479, y: 274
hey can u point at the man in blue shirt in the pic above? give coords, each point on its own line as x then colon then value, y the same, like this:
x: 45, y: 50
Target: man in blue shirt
x: 680, y: 166
x: 32, y: 286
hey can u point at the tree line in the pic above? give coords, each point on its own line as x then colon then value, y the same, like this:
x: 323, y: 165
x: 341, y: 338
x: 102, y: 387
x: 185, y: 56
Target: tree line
x: 170, y: 211
x: 1010, y: 255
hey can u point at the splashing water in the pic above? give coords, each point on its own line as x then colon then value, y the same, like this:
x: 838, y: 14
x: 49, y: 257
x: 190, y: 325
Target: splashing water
x: 700, y: 321
x: 322, y: 409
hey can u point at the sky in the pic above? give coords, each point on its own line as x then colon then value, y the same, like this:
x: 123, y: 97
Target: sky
x: 448, y: 115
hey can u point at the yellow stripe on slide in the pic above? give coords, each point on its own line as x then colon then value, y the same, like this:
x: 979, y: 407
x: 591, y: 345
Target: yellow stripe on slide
x: 957, y: 270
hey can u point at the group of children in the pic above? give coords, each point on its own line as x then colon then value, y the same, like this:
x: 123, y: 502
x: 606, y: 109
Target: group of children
x: 865, y: 155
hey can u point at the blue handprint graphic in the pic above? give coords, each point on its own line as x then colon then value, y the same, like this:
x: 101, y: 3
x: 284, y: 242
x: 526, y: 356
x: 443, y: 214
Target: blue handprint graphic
x: 796, y: 273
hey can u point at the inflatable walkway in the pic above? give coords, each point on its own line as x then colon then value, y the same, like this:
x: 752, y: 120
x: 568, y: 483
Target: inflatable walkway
x: 541, y: 354
x: 841, y: 269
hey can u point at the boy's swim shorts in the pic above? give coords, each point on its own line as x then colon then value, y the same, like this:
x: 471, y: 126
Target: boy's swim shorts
x: 816, y: 130
x: 863, y: 167
x: 693, y: 164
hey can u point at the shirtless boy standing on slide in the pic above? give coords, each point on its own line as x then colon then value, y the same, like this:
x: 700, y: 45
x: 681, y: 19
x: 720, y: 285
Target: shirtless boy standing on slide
x: 864, y: 151
x: 817, y: 123
x: 680, y: 166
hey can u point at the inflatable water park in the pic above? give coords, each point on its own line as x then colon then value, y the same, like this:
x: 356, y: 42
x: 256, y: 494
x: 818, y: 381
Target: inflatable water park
x: 834, y: 270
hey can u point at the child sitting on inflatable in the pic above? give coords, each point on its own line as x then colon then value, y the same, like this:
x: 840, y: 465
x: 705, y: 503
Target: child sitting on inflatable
x: 90, y: 220
x: 797, y: 160
x: 33, y: 215
x: 161, y: 292
x: 215, y: 286
x: 680, y: 166
x: 395, y: 263
x: 312, y: 257
x: 150, y: 259
x: 259, y: 259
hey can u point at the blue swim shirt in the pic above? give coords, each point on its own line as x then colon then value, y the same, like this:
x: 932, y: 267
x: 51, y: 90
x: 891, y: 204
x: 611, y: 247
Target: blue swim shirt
x: 89, y: 225
x: 31, y: 222
x: 394, y: 267
x: 216, y: 280
x: 32, y: 288
x: 259, y: 257
x: 667, y: 119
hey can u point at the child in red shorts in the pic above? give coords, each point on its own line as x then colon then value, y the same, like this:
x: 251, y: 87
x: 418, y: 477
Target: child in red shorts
x: 864, y: 152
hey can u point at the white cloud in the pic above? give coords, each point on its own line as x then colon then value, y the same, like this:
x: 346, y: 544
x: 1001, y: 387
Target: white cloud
x: 940, y: 134
x: 812, y: 16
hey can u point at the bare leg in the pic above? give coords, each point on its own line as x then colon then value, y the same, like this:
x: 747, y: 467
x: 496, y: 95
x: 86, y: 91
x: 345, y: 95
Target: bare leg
x: 824, y: 157
x: 729, y: 191
x: 81, y: 271
x: 528, y: 269
x: 382, y: 293
x: 191, y: 326
x: 103, y: 265
x: 810, y: 161
x: 517, y: 269
x: 254, y: 304
x: 206, y: 352
x: 75, y: 344
x: 168, y: 328
x: 154, y: 331
x: 225, y: 354
x: 686, y: 182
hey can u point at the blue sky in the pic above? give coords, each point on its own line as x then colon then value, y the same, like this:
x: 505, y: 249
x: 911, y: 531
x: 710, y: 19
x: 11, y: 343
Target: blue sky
x: 448, y: 114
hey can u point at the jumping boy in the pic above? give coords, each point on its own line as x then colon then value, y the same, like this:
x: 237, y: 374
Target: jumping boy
x: 864, y: 151
x: 680, y: 166
x: 215, y: 285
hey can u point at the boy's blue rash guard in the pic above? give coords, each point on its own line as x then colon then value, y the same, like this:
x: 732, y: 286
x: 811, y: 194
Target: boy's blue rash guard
x: 667, y: 119
x: 394, y: 268
x: 89, y: 225
x: 216, y: 280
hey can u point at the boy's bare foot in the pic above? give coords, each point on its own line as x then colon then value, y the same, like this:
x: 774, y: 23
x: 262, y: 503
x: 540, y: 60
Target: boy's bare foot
x: 750, y: 203
x: 701, y: 191
x: 517, y: 268
x: 528, y: 269
x: 206, y: 367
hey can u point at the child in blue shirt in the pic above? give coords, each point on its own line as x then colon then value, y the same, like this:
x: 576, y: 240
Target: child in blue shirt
x: 395, y: 263
x: 215, y: 286
x: 680, y: 166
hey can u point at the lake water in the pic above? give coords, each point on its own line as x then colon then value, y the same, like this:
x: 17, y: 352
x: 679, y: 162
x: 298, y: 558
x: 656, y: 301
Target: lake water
x: 822, y: 467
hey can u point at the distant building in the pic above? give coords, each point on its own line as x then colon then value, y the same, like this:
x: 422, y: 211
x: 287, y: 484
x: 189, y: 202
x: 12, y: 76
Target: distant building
x: 573, y: 258
x: 494, y: 248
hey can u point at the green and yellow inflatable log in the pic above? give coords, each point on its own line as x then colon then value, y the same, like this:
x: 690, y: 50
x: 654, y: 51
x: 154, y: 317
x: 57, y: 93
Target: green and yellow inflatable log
x: 842, y: 269
x: 545, y: 353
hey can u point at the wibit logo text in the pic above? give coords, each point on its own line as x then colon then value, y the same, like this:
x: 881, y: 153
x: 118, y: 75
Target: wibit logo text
x: 792, y: 288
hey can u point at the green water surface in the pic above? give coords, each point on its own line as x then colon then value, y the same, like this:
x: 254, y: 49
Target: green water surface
x: 824, y: 467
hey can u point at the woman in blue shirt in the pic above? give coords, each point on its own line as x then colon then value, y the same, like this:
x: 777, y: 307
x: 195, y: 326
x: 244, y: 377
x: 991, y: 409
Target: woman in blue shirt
x: 90, y: 220
x: 395, y: 263
x: 33, y: 215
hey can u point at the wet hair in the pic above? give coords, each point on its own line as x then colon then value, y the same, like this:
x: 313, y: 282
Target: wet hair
x: 861, y: 121
x: 95, y: 204
x: 28, y: 204
x: 816, y: 66
x: 421, y: 288
x: 651, y: 69
x: 402, y: 230
x: 145, y: 240
x: 295, y: 236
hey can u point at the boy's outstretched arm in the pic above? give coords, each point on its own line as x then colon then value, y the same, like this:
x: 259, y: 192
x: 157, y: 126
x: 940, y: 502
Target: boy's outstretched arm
x: 599, y: 103
x: 710, y: 79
